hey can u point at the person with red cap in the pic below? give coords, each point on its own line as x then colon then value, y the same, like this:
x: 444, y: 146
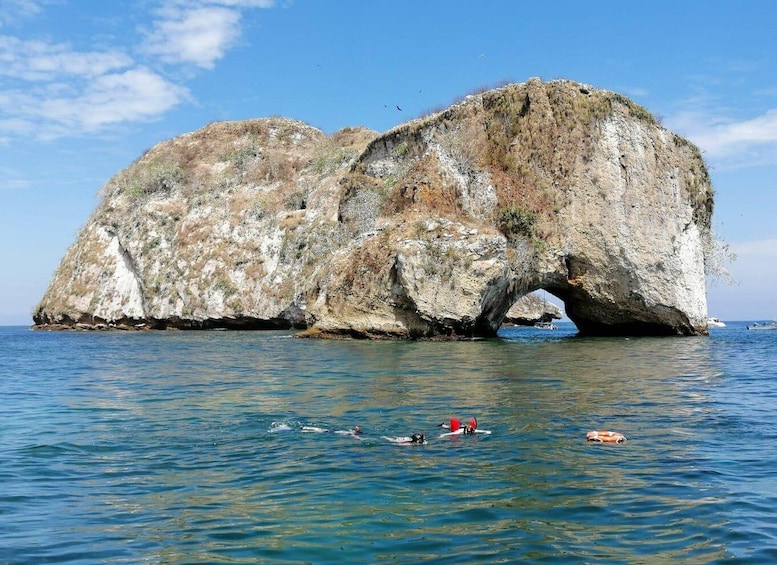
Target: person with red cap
x: 455, y: 425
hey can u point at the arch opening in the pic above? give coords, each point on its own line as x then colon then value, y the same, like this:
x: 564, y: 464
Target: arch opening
x: 538, y: 307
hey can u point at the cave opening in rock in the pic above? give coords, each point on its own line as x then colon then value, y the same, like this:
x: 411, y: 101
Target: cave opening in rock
x: 537, y: 308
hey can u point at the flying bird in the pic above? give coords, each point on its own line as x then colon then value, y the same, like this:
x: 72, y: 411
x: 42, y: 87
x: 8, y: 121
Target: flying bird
x: 398, y: 108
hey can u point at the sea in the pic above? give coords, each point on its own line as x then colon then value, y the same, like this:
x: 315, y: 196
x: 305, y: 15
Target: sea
x: 188, y: 448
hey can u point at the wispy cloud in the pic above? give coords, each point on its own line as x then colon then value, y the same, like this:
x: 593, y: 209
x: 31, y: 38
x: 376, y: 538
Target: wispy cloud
x: 713, y: 117
x: 12, y: 180
x: 59, y: 92
x: 34, y: 61
x: 134, y: 95
x: 54, y: 90
x: 728, y: 142
x: 13, y: 10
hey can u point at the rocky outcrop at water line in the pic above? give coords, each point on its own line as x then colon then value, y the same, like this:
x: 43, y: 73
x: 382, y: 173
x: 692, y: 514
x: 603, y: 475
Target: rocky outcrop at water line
x: 432, y: 229
x: 531, y: 309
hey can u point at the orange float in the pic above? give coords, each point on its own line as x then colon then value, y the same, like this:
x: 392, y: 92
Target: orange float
x: 605, y: 437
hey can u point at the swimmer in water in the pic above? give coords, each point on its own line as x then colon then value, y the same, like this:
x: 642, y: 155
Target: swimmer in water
x: 415, y: 439
x: 455, y: 425
x: 355, y: 431
x: 313, y: 429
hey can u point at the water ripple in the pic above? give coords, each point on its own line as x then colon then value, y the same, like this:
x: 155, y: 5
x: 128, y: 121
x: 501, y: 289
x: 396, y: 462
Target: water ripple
x: 185, y: 447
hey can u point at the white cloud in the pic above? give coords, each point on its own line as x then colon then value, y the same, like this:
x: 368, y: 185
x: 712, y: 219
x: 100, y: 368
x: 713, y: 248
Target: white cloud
x: 729, y: 138
x: 60, y: 92
x: 56, y: 111
x: 199, y: 36
x: 52, y: 90
x: 741, y: 143
x: 40, y: 61
x: 198, y: 33
x: 134, y: 95
x: 17, y: 126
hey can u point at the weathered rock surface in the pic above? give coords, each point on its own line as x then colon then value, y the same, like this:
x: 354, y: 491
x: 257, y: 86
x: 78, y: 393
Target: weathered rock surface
x: 434, y: 228
x: 531, y: 309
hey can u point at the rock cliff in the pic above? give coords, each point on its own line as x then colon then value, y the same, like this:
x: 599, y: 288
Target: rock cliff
x: 434, y: 228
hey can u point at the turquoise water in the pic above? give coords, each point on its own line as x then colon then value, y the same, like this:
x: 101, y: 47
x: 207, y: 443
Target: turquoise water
x: 184, y: 447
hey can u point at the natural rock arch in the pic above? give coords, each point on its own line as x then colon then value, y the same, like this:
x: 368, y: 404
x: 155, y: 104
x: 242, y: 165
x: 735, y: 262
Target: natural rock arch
x: 552, y: 186
x: 433, y: 229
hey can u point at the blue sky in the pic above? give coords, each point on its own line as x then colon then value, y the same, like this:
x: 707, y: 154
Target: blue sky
x: 87, y: 85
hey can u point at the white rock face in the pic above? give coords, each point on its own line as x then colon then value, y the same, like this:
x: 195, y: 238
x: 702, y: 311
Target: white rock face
x: 433, y: 229
x: 121, y: 293
x: 632, y: 213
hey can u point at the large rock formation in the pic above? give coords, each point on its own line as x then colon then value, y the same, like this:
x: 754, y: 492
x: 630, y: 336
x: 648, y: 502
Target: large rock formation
x: 434, y: 228
x: 531, y: 309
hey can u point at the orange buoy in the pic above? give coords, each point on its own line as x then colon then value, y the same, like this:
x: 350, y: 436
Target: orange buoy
x: 605, y: 437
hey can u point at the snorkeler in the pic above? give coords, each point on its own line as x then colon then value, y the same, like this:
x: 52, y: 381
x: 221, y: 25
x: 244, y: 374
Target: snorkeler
x: 415, y: 439
x: 455, y: 426
x: 456, y: 429
x: 355, y: 431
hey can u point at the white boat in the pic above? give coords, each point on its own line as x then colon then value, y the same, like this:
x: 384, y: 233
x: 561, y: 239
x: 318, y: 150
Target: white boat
x: 544, y: 324
x: 763, y: 326
x: 715, y: 323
